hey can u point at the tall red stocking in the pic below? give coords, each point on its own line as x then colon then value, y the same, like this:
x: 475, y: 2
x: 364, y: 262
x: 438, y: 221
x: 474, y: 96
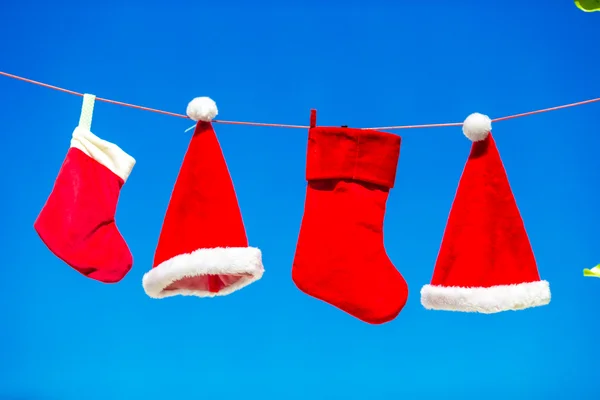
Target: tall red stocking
x: 340, y: 257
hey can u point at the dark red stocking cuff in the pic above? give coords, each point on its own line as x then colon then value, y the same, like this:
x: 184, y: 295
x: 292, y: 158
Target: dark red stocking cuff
x: 347, y: 153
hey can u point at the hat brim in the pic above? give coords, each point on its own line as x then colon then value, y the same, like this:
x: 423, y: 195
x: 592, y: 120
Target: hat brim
x: 245, y: 262
x: 486, y: 300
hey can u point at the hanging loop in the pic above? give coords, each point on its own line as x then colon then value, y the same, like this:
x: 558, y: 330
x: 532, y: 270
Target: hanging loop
x: 313, y: 118
x: 87, y: 110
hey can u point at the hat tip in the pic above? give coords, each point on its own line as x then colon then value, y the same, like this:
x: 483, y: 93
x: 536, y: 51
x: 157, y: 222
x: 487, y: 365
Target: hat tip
x: 477, y: 127
x: 202, y: 109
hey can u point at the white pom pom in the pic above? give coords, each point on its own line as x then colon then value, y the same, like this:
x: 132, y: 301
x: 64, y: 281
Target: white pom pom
x: 202, y: 109
x: 477, y: 127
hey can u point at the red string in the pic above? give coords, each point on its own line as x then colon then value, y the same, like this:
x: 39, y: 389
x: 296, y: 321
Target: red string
x: 382, y: 128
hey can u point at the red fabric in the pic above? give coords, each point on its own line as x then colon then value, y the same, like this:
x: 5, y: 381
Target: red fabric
x: 203, y: 212
x: 485, y: 243
x: 340, y: 257
x: 77, y: 223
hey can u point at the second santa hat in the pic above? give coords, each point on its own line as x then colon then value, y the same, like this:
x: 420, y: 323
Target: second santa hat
x: 485, y: 263
x: 203, y: 249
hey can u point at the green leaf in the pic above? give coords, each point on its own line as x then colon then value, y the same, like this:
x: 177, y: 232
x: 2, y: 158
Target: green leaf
x: 588, y: 5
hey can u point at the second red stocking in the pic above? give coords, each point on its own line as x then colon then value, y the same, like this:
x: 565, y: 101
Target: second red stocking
x: 340, y: 256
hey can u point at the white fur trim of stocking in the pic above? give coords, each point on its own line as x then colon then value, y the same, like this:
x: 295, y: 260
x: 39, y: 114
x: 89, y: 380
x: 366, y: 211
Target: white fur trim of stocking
x: 486, y: 300
x: 214, y: 261
x: 106, y: 153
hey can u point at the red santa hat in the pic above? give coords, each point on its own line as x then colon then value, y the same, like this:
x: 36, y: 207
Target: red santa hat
x: 203, y: 250
x: 485, y: 263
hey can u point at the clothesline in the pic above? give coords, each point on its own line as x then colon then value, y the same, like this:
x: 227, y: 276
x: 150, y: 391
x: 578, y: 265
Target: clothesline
x: 388, y: 128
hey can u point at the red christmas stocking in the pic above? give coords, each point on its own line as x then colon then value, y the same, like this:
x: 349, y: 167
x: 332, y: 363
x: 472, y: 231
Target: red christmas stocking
x: 77, y: 222
x: 340, y: 257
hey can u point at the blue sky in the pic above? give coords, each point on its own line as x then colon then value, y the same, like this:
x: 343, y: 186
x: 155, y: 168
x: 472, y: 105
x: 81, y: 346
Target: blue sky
x: 360, y: 64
